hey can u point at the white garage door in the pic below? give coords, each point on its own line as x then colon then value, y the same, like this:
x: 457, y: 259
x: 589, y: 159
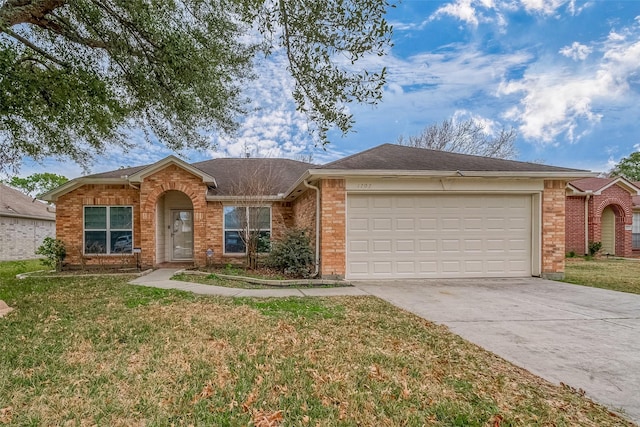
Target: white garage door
x: 444, y: 236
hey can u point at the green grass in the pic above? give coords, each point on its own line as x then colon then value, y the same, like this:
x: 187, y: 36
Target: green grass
x: 613, y: 274
x: 98, y: 351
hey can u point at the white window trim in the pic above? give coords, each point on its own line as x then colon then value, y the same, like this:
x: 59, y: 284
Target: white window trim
x: 107, y: 231
x: 224, y: 226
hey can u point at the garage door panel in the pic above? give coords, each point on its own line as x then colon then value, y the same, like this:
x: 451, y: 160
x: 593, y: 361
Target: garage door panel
x: 383, y: 246
x: 407, y: 246
x: 382, y: 224
x: 438, y: 235
x: 359, y: 246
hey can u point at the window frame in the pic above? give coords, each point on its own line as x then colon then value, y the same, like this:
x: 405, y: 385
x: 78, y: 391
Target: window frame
x: 240, y: 230
x: 635, y: 230
x: 108, y: 230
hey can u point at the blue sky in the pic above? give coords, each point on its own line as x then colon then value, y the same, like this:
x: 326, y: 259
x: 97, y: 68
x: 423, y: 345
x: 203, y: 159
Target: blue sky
x: 565, y: 74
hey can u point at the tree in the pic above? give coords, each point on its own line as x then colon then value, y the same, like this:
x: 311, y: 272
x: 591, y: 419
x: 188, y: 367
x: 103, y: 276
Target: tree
x: 465, y: 137
x: 75, y: 76
x: 38, y: 183
x: 628, y: 167
x: 254, y: 190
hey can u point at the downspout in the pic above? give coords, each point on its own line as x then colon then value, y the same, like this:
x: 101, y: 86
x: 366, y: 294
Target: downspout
x: 586, y: 222
x: 306, y: 184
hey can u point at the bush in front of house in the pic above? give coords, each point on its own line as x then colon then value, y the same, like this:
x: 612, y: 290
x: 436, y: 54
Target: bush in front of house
x: 292, y: 255
x: 53, y: 251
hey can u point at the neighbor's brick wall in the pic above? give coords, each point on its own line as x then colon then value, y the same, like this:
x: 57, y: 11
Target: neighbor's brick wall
x: 20, y: 237
x: 621, y: 202
x: 152, y: 188
x: 70, y: 215
x: 574, y: 225
x: 333, y: 227
x: 553, y: 229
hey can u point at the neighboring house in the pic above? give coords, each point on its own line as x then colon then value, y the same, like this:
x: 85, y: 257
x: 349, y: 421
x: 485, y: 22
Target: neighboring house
x: 24, y: 223
x: 388, y: 212
x: 608, y: 206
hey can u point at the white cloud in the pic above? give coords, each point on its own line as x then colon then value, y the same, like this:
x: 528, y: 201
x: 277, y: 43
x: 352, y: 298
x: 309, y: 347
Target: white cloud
x: 568, y: 102
x: 577, y: 51
x: 546, y: 7
x: 460, y: 9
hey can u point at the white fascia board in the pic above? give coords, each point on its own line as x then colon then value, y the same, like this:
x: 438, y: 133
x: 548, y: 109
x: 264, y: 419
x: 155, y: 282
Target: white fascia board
x: 380, y: 173
x: 343, y: 173
x: 140, y: 175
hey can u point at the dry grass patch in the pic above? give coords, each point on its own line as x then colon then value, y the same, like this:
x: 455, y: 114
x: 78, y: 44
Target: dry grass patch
x: 613, y: 274
x: 101, y: 352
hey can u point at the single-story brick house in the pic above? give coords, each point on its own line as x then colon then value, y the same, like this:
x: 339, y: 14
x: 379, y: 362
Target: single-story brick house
x: 611, y: 207
x: 387, y: 212
x: 24, y: 224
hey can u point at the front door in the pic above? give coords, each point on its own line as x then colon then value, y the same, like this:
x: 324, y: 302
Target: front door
x: 181, y: 235
x: 608, y: 231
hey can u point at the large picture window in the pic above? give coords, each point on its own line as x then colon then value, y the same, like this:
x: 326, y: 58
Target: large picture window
x: 108, y: 229
x: 244, y: 222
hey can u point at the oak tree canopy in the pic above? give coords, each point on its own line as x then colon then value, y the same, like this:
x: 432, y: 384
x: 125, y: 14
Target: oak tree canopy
x: 77, y: 75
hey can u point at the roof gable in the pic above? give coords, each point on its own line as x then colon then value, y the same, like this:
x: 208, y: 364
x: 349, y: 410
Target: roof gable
x: 598, y: 185
x: 141, y: 174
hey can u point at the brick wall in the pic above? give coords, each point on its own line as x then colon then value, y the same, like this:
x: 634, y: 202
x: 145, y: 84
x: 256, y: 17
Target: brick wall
x: 574, y: 225
x: 333, y: 228
x: 20, y: 237
x: 304, y: 214
x: 553, y: 229
x: 152, y: 188
x: 619, y: 200
x: 70, y: 215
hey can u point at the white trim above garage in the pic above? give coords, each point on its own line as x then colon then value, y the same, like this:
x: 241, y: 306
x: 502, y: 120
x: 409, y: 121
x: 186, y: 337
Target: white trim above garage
x: 441, y: 234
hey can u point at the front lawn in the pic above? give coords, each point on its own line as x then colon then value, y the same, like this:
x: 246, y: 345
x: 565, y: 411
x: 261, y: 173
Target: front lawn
x: 85, y: 351
x: 613, y: 274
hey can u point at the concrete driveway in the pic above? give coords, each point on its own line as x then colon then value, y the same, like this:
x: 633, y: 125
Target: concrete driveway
x: 585, y: 337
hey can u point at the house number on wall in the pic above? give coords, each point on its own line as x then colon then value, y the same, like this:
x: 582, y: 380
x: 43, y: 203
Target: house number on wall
x: 363, y: 186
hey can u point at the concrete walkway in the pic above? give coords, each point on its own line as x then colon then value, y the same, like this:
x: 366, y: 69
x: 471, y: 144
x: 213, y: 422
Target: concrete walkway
x: 161, y: 278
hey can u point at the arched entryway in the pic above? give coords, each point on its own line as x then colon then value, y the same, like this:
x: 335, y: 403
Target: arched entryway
x: 174, y: 227
x: 608, y: 224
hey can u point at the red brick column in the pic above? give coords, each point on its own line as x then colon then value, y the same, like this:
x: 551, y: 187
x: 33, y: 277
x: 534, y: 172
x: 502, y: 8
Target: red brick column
x: 553, y: 229
x: 333, y: 228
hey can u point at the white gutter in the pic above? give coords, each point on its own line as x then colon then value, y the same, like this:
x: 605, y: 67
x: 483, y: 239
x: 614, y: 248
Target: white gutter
x: 306, y: 184
x: 586, y: 222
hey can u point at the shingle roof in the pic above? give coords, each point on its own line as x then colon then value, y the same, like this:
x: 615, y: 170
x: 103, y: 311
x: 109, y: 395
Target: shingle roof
x: 16, y: 204
x: 591, y: 184
x: 232, y: 174
x: 118, y: 173
x: 398, y: 157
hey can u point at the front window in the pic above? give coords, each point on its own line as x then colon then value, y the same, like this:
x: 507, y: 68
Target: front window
x: 636, y: 230
x: 244, y: 224
x: 108, y: 229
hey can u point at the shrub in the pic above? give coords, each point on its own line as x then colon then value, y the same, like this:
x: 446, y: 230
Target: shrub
x: 292, y: 255
x: 594, y: 248
x: 54, y: 252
